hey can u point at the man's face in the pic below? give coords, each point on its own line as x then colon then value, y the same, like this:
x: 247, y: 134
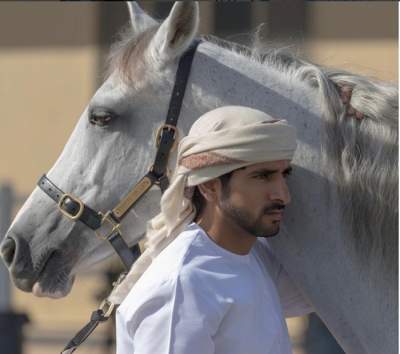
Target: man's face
x: 255, y: 197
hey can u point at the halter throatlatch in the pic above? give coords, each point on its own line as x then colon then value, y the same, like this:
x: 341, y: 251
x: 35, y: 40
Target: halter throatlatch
x: 107, y: 225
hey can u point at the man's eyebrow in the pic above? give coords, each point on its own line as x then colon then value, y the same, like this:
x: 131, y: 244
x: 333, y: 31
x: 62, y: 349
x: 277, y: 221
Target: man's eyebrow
x: 266, y: 171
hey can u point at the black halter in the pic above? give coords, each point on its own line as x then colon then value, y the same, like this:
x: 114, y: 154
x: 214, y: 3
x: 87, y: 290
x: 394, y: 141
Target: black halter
x: 107, y: 225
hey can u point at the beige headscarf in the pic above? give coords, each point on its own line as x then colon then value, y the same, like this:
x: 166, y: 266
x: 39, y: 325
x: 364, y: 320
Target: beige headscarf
x: 219, y: 142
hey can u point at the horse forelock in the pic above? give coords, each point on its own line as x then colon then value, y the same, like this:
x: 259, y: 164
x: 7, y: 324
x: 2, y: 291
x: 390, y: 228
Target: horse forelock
x: 127, y: 55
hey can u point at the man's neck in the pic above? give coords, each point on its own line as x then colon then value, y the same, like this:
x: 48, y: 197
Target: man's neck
x: 226, y: 234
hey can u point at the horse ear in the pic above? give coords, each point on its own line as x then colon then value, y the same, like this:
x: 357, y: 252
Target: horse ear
x: 176, y: 32
x: 140, y: 20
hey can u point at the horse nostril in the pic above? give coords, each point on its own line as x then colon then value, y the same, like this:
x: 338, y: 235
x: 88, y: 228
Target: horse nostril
x: 8, y: 250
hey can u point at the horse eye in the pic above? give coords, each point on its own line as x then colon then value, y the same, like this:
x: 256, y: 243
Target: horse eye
x: 101, y: 118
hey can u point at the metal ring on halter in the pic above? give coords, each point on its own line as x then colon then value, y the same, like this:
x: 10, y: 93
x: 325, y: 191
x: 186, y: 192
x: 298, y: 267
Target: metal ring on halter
x: 66, y: 213
x: 107, y: 307
x: 168, y: 127
x: 114, y: 226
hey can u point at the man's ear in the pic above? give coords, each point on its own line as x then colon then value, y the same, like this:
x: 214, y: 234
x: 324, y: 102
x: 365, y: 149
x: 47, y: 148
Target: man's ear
x: 176, y: 32
x: 210, y: 189
x: 140, y: 20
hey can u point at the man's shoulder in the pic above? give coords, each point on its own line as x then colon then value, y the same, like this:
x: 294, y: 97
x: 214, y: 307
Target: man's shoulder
x: 266, y: 258
x: 182, y: 256
x: 188, y: 254
x: 186, y: 264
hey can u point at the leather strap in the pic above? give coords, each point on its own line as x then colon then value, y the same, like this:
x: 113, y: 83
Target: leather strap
x: 93, y: 220
x: 102, y: 314
x: 96, y: 317
x: 181, y: 79
x: 175, y: 104
x: 89, y: 217
x: 127, y: 255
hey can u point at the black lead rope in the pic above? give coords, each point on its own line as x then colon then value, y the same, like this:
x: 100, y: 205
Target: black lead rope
x: 96, y: 317
x: 76, y: 210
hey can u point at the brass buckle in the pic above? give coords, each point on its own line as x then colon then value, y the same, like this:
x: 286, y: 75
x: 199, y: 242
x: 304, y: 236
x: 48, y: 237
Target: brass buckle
x: 68, y: 215
x: 107, y: 307
x: 168, y: 127
x: 114, y: 226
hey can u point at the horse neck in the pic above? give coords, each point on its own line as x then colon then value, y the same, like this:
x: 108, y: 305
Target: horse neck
x: 222, y: 77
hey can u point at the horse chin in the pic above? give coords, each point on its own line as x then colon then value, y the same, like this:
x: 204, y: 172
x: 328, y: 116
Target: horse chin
x: 61, y: 291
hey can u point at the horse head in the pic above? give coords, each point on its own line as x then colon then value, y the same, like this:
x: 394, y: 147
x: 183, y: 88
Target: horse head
x: 111, y: 147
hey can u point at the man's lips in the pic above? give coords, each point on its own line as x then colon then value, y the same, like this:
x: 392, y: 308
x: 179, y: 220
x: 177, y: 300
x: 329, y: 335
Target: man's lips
x: 276, y: 215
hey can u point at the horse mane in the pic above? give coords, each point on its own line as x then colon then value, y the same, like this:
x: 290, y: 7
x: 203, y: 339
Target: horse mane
x: 359, y: 156
x: 362, y: 156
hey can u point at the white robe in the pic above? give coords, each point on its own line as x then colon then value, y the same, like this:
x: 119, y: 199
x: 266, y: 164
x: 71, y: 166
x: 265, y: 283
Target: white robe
x: 198, y: 298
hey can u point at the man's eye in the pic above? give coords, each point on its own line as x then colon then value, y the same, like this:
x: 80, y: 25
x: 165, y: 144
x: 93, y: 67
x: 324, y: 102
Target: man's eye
x: 263, y: 176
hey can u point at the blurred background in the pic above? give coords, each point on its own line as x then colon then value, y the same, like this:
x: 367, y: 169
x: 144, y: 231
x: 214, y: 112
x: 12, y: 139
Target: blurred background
x: 52, y: 58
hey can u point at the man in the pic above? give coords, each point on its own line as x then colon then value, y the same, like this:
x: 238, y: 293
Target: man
x: 212, y: 284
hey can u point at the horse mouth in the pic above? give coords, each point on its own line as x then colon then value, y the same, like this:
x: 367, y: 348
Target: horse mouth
x: 54, y: 279
x: 40, y: 291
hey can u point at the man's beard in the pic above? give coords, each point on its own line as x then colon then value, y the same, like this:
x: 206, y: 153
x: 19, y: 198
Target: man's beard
x: 243, y: 218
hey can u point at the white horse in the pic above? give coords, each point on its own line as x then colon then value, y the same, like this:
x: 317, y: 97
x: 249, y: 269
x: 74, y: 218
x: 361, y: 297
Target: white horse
x: 339, y: 238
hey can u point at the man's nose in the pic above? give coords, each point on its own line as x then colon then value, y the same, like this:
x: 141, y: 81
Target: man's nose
x: 281, y: 192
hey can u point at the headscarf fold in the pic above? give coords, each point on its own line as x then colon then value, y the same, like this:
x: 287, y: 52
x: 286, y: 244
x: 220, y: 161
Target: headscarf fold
x: 220, y: 141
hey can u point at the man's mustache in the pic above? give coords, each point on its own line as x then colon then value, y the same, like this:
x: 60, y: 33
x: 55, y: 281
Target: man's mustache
x: 276, y: 207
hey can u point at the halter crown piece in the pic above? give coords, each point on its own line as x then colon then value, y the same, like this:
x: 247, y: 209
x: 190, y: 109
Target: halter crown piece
x: 107, y: 225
